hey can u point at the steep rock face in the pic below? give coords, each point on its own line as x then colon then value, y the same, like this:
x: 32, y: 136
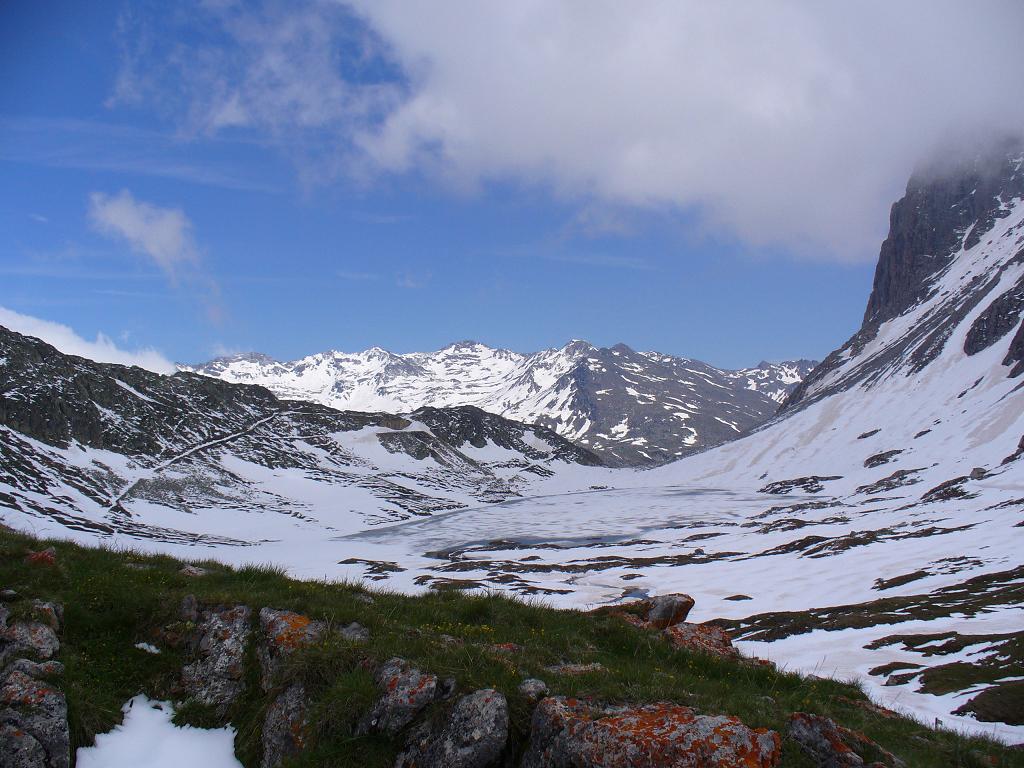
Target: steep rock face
x: 631, y: 408
x: 950, y: 255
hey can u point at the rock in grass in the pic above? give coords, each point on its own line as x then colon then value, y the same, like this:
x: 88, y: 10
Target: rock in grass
x: 46, y: 556
x: 405, y: 692
x: 33, y: 723
x: 831, y: 745
x: 281, y: 634
x: 568, y: 733
x: 32, y: 638
x: 473, y: 735
x: 355, y: 633
x: 284, y: 727
x: 703, y: 638
x: 668, y: 610
x: 533, y: 689
x: 215, y: 679
x: 193, y: 571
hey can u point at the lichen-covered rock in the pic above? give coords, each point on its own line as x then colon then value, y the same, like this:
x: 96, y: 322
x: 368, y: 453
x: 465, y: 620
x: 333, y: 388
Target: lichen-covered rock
x: 704, y: 638
x: 668, y: 610
x: 36, y: 669
x: 193, y: 571
x: 405, y: 692
x: 473, y: 735
x: 284, y: 727
x: 831, y: 745
x: 568, y: 733
x: 533, y: 689
x: 215, y: 678
x: 46, y: 556
x: 281, y: 634
x: 51, y: 614
x: 33, y: 723
x: 32, y: 638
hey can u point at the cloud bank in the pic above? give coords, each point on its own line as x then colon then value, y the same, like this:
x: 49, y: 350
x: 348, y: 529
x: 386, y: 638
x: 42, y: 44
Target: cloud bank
x: 102, y: 350
x: 790, y: 123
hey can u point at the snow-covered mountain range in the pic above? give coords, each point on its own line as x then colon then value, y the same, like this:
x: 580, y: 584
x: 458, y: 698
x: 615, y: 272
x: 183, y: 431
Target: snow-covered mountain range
x: 872, y: 528
x: 632, y: 408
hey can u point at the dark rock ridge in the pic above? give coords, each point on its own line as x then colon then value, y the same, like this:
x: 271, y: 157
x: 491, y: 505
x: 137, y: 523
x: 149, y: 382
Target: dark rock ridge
x: 942, y: 212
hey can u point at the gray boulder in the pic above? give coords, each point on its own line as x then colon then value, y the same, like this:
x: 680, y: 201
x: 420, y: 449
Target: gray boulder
x: 405, y: 692
x: 33, y: 723
x: 568, y: 733
x: 472, y: 736
x: 284, y: 727
x: 668, y: 610
x: 533, y: 689
x: 215, y: 678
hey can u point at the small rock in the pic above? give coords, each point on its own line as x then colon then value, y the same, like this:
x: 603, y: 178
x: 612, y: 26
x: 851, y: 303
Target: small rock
x: 51, y: 614
x: 189, y: 610
x: 504, y: 649
x: 831, y: 745
x: 568, y: 733
x: 362, y: 597
x: 36, y: 668
x: 405, y: 693
x: 8, y: 595
x: 355, y: 633
x: 704, y: 638
x: 573, y: 669
x: 978, y: 473
x: 284, y: 727
x: 46, y: 556
x: 193, y: 571
x: 283, y: 632
x: 28, y: 637
x: 533, y: 689
x: 667, y: 610
x: 34, y: 717
x: 215, y: 679
x: 472, y: 736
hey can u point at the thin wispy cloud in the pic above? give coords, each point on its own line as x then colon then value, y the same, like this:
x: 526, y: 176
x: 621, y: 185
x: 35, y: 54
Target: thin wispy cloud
x: 162, y: 235
x: 102, y: 349
x: 600, y: 260
x: 357, y: 276
x: 117, y: 149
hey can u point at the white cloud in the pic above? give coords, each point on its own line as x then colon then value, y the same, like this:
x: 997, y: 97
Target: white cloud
x: 163, y: 234
x: 102, y: 350
x: 791, y: 123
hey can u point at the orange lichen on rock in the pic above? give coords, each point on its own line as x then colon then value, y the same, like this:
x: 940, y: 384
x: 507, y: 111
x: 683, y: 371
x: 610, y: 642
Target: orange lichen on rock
x: 567, y: 733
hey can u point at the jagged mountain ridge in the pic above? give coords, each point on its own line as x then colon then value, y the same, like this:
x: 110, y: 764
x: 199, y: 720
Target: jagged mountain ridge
x: 112, y: 450
x: 632, y: 408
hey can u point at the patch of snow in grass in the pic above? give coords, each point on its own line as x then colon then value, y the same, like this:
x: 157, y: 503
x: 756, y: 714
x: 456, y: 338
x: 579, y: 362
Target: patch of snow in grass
x: 148, y: 737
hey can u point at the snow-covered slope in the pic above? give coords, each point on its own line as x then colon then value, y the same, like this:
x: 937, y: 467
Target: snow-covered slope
x: 632, y: 408
x: 116, y: 451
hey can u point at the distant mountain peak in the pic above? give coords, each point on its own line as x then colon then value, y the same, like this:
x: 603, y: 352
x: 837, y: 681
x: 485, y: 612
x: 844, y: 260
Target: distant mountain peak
x: 628, y: 407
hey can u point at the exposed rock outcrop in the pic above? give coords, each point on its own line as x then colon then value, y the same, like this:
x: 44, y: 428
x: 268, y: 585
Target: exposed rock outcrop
x: 34, y: 729
x: 215, y: 679
x: 473, y: 735
x: 405, y: 692
x: 284, y: 727
x: 832, y: 746
x: 281, y: 634
x: 568, y: 733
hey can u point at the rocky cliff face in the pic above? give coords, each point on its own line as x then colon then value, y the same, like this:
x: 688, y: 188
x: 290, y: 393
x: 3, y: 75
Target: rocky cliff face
x: 923, y: 274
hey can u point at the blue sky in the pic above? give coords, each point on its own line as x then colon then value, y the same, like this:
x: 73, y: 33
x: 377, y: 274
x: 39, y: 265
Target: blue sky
x: 296, y: 177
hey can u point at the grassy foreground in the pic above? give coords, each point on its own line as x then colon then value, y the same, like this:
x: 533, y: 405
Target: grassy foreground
x: 114, y: 599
